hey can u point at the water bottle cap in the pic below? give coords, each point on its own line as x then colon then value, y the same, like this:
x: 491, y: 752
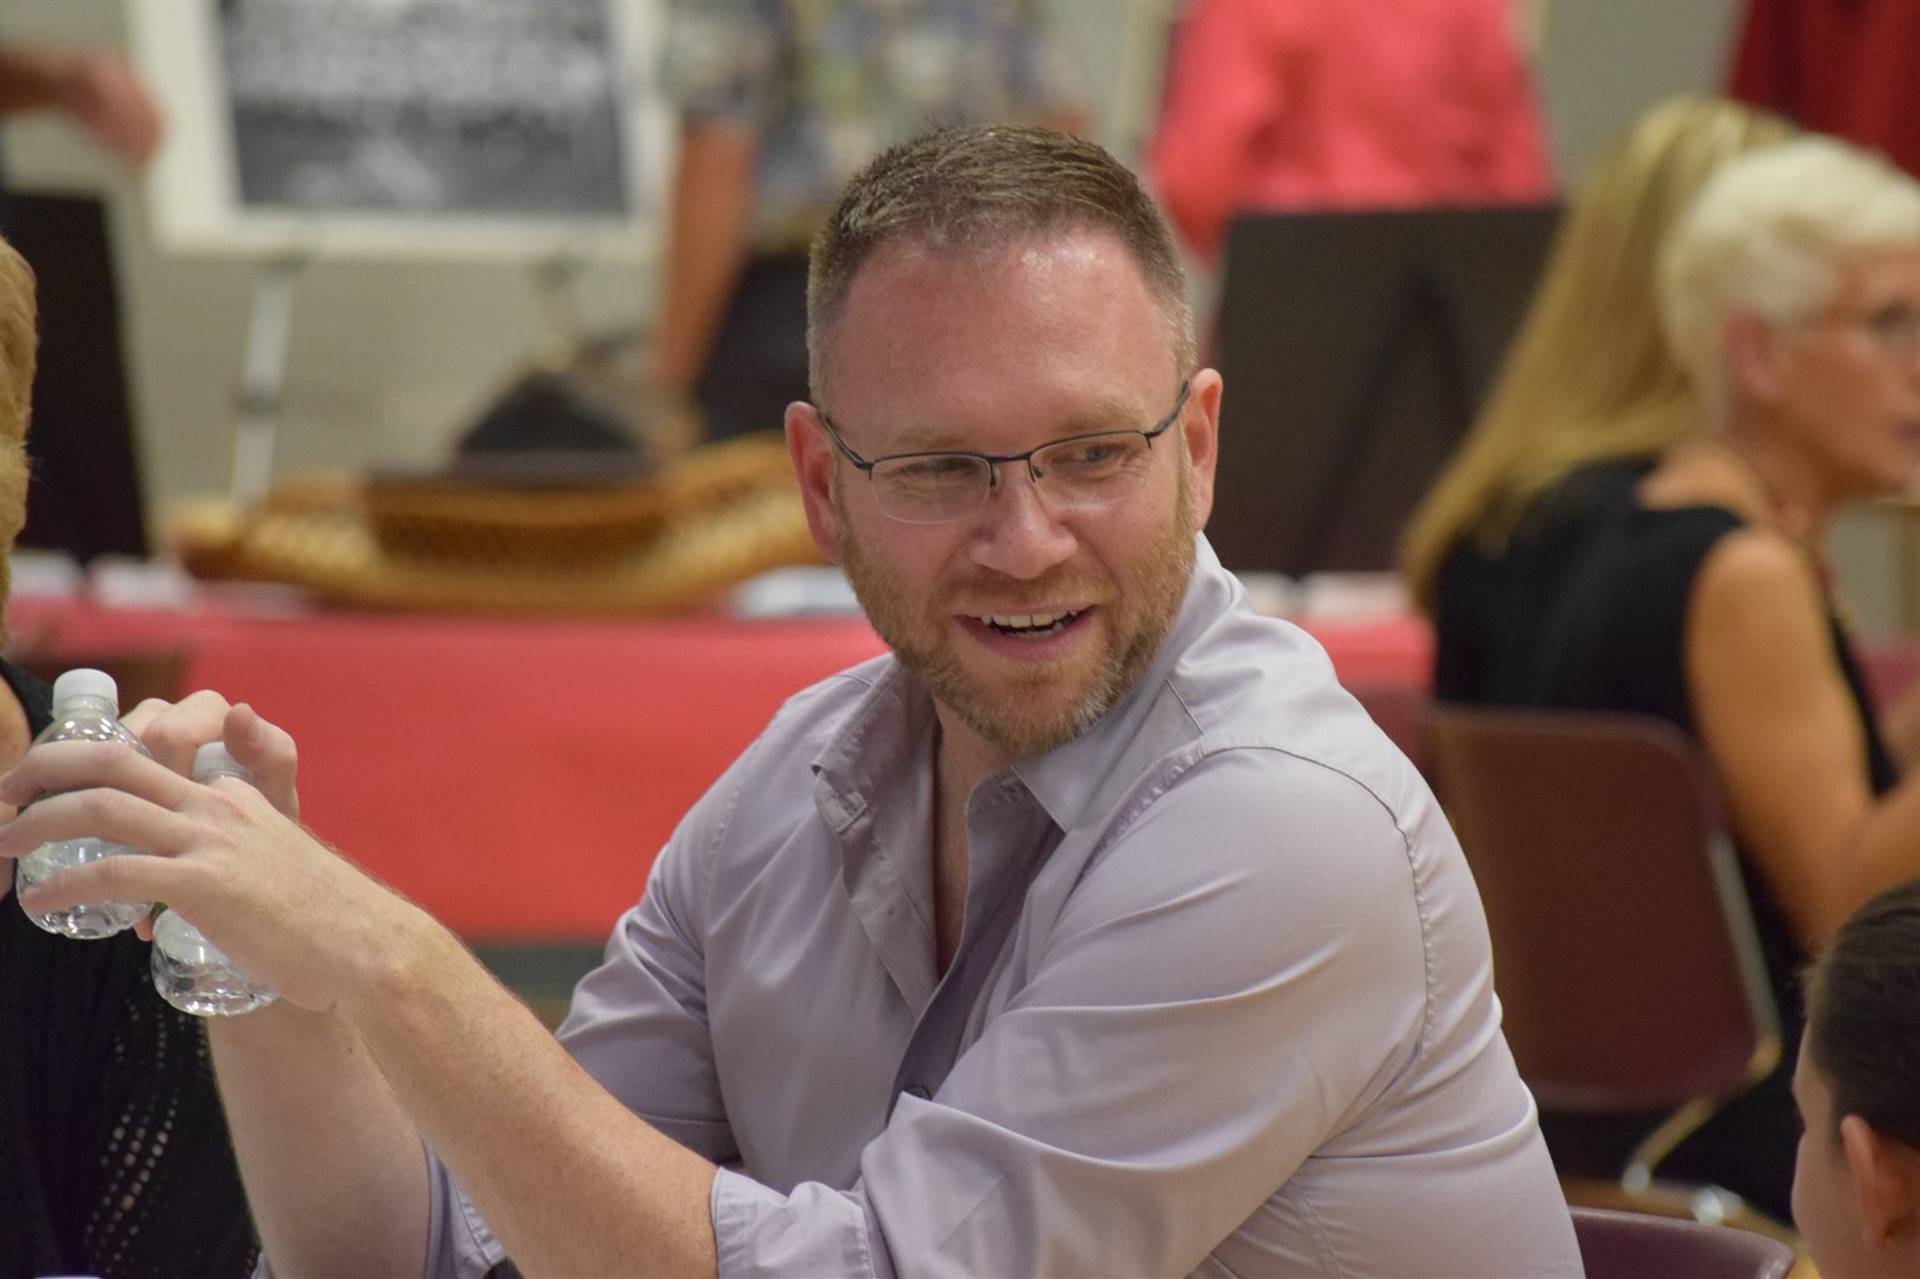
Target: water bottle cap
x: 85, y: 682
x: 215, y: 760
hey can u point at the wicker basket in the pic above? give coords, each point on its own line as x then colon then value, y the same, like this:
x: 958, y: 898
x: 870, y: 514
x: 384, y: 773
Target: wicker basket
x: 719, y: 516
x: 435, y: 520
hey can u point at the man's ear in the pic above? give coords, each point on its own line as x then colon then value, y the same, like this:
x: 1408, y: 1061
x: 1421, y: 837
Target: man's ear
x: 812, y: 455
x: 1201, y: 429
x: 1886, y: 1181
x: 1755, y: 351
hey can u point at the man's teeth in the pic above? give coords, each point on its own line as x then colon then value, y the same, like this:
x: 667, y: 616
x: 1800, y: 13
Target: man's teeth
x: 1026, y: 621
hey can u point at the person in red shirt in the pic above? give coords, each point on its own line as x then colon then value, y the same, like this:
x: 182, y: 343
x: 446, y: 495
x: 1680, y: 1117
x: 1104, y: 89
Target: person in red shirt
x: 1326, y: 104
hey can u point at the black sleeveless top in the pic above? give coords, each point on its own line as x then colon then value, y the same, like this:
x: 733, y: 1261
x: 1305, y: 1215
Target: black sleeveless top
x: 114, y: 1155
x: 1586, y: 609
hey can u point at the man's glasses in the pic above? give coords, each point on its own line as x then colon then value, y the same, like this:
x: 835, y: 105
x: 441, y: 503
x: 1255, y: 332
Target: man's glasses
x: 1080, y: 472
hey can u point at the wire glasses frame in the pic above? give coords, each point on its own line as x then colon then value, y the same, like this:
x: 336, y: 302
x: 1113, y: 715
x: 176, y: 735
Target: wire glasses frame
x: 1077, y: 471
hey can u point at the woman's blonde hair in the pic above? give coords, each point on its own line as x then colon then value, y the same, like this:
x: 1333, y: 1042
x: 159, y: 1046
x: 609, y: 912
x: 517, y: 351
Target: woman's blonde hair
x: 19, y: 352
x: 1589, y: 376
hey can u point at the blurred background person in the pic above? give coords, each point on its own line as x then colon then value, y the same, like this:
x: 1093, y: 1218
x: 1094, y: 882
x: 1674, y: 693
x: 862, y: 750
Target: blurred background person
x: 1326, y: 104
x: 780, y: 102
x: 1843, y: 67
x: 1627, y: 531
x: 1564, y: 399
x: 1856, y: 1186
x: 83, y: 453
x: 114, y: 1156
x: 99, y: 92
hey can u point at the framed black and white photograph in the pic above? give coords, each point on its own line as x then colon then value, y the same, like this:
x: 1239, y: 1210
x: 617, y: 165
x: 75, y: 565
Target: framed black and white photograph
x: 371, y: 127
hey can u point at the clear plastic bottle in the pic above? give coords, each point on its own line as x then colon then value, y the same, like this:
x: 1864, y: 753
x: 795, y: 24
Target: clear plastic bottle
x: 190, y: 972
x: 86, y: 708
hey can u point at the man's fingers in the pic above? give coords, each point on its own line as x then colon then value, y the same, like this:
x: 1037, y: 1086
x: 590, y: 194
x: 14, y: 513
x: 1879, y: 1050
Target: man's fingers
x: 65, y: 766
x: 133, y: 878
x: 144, y: 714
x: 177, y: 731
x: 267, y: 751
x: 100, y: 812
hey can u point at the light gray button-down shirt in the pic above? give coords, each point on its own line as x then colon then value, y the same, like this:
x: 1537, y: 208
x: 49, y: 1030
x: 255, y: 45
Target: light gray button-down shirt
x: 1222, y: 1004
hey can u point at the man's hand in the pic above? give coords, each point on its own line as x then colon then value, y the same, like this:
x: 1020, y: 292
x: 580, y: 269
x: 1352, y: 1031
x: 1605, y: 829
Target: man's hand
x: 173, y: 731
x: 290, y: 911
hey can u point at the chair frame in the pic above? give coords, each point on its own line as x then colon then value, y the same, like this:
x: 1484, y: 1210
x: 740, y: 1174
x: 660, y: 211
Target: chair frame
x: 1600, y: 1230
x: 1465, y: 746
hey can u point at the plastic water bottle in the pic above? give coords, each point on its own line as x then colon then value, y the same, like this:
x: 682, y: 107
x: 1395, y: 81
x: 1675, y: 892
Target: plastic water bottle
x: 86, y: 708
x: 190, y: 972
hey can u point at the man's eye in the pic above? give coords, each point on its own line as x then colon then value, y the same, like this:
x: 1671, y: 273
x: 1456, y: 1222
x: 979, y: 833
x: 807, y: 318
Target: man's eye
x: 926, y: 469
x: 1093, y: 455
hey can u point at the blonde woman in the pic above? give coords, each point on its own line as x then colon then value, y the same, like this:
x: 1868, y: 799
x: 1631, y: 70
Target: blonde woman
x: 1589, y: 377
x: 1669, y: 564
x: 114, y: 1155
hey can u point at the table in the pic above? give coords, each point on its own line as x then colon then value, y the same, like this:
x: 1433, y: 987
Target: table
x: 516, y: 778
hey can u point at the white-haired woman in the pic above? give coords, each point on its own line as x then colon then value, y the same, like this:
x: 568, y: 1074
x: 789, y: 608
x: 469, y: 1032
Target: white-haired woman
x: 1686, y: 581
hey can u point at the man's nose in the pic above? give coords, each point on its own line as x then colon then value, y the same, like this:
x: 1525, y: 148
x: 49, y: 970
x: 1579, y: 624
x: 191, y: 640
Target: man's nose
x: 1020, y: 532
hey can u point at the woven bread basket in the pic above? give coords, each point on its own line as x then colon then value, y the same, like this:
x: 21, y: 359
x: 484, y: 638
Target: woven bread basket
x: 663, y: 545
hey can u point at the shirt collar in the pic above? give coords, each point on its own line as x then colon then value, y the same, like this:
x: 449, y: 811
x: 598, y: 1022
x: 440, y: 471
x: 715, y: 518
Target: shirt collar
x: 1146, y: 721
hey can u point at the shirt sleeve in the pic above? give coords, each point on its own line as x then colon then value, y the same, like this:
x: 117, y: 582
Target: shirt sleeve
x: 1517, y: 165
x: 1226, y: 86
x: 721, y: 59
x: 1240, y: 975
x: 1041, y: 79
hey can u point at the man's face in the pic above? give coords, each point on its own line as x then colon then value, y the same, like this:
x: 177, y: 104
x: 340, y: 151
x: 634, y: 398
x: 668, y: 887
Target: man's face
x: 1823, y: 1198
x: 999, y: 352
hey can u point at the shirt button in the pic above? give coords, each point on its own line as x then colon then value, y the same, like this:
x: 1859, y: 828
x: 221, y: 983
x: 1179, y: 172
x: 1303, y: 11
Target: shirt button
x: 919, y: 1091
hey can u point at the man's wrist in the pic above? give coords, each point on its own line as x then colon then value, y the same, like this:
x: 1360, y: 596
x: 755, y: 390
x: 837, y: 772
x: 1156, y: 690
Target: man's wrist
x: 407, y: 955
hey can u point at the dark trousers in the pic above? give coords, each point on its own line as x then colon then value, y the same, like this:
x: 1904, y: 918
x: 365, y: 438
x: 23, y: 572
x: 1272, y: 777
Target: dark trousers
x: 758, y: 364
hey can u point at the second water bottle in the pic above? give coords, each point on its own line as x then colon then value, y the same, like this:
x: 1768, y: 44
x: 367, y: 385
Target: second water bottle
x: 190, y: 972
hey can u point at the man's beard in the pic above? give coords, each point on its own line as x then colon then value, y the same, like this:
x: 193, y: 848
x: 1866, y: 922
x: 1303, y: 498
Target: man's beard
x: 1154, y: 584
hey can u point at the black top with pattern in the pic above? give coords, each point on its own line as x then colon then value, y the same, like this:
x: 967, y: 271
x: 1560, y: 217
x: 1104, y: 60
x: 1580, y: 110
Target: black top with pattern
x: 114, y: 1155
x: 1586, y: 609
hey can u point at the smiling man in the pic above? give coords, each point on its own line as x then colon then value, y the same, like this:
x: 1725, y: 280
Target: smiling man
x: 1094, y: 930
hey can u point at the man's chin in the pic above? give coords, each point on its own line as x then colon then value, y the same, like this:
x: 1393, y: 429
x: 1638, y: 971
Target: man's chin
x: 1025, y: 736
x: 1025, y: 722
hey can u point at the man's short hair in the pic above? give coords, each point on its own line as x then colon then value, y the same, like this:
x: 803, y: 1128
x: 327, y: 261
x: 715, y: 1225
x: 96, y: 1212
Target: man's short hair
x: 1765, y: 237
x: 19, y: 352
x: 984, y: 187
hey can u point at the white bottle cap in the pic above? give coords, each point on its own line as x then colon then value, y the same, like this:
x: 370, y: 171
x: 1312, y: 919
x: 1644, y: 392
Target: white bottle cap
x: 85, y: 682
x: 215, y: 760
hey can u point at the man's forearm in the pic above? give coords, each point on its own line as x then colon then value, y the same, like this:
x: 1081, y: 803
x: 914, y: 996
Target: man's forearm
x: 334, y: 1171
x: 569, y: 1180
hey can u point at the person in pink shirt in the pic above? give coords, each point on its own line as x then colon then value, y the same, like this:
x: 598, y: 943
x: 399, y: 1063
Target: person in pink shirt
x: 1326, y: 104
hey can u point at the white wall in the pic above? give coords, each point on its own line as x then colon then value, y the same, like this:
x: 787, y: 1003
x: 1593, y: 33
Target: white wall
x: 1602, y: 61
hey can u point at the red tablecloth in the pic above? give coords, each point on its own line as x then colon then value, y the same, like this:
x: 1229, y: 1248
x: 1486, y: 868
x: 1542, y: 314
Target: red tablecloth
x: 517, y: 778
